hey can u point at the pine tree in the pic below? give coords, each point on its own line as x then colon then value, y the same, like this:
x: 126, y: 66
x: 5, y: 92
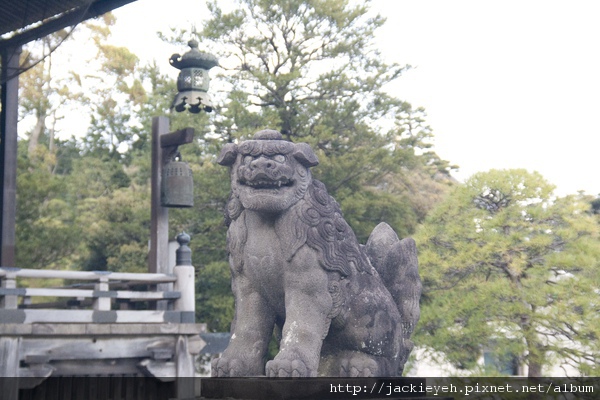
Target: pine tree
x: 310, y: 70
x: 509, y: 267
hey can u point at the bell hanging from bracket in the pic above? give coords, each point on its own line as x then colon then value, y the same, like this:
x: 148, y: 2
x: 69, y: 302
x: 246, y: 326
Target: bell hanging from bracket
x: 177, y: 184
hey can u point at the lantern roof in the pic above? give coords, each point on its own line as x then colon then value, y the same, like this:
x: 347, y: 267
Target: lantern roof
x: 194, y: 58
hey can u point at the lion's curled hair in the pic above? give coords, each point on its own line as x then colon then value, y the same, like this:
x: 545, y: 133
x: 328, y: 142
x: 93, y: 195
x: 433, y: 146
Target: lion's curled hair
x: 315, y: 220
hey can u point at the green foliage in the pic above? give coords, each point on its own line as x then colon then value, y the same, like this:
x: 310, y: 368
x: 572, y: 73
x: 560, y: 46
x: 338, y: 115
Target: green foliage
x: 116, y: 230
x: 503, y: 261
x: 45, y: 219
x: 213, y: 292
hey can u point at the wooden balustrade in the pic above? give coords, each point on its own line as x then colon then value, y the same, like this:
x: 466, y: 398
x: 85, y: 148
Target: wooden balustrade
x: 103, y: 292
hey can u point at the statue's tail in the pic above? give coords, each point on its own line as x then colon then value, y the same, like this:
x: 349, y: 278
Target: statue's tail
x: 396, y: 262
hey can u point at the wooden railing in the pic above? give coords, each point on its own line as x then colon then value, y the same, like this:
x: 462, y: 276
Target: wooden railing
x: 95, y: 304
x: 100, y: 296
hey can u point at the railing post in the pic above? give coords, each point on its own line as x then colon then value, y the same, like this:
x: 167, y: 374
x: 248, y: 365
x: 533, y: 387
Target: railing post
x: 9, y: 301
x: 185, y: 284
x: 102, y: 303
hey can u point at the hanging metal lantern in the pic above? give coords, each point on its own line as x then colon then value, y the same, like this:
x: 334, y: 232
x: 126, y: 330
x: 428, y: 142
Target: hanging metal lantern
x: 177, y: 185
x: 193, y: 80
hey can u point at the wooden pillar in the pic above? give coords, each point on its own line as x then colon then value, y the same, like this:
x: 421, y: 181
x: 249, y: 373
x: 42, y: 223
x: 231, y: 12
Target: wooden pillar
x: 9, y: 103
x: 158, y: 262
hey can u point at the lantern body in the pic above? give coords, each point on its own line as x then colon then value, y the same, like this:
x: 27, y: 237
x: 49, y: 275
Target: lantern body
x: 193, y: 79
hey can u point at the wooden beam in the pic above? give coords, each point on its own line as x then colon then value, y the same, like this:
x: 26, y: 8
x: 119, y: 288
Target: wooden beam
x: 13, y: 273
x: 53, y: 316
x: 93, y: 348
x: 177, y: 138
x: 100, y: 368
x: 70, y: 18
x: 88, y: 293
x: 50, y: 330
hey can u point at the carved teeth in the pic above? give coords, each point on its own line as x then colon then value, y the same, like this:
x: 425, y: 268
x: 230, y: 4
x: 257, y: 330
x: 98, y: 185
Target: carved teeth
x: 267, y: 184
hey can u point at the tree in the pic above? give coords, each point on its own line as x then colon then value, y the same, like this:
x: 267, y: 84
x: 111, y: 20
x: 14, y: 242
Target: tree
x: 506, y: 265
x: 116, y: 229
x: 115, y: 95
x: 44, y: 95
x: 309, y: 69
x: 595, y: 203
x: 46, y: 232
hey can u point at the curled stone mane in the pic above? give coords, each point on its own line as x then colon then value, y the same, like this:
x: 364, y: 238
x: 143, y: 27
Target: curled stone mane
x: 270, y: 147
x: 320, y: 225
x: 233, y: 209
x: 314, y: 220
x: 323, y: 228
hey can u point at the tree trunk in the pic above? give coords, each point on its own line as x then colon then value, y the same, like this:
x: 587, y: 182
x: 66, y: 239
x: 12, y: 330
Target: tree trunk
x: 536, y: 356
x: 34, y: 137
x: 535, y: 369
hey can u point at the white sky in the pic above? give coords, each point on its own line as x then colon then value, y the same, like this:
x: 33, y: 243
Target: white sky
x: 506, y: 84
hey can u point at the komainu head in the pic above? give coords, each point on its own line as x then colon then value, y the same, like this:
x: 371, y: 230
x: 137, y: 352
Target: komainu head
x: 268, y: 174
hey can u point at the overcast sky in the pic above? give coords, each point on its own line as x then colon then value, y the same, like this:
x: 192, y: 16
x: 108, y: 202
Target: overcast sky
x: 506, y: 84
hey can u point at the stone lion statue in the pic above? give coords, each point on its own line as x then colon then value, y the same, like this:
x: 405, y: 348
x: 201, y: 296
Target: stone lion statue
x: 342, y: 309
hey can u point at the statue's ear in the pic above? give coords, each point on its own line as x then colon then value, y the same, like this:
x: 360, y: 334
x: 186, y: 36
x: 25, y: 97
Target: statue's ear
x: 228, y: 154
x: 305, y: 155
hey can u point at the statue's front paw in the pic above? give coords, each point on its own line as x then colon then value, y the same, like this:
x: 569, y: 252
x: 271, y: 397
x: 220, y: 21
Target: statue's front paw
x: 282, y: 368
x: 359, y: 367
x: 226, y: 367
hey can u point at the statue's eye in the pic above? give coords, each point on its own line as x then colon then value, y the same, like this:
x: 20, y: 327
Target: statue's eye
x: 279, y: 158
x: 248, y: 159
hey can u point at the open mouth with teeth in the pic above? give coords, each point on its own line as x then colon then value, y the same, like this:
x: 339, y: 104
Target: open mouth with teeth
x: 268, y: 184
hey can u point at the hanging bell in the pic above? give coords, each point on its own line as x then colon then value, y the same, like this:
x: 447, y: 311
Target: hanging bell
x: 177, y: 185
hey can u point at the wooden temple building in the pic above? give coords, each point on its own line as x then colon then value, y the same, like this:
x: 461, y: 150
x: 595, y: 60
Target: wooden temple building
x: 94, y: 325
x: 98, y: 329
